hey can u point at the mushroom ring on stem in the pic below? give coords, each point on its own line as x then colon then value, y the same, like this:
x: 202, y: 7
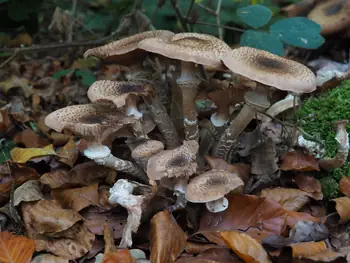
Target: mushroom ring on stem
x: 211, y: 187
x: 189, y: 48
x: 95, y: 123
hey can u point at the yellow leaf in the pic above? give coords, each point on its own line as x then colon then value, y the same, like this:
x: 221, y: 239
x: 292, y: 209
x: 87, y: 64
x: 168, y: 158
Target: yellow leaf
x: 15, y: 81
x: 342, y: 207
x: 22, y: 155
x: 247, y: 248
x: 307, y: 249
x: 15, y: 249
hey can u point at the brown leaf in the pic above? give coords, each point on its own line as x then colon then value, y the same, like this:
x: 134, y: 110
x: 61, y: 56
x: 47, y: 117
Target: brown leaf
x: 47, y: 217
x: 48, y: 258
x: 103, y: 193
x: 342, y: 205
x: 289, y: 198
x: 109, y: 240
x: 308, y: 183
x: 327, y: 256
x: 77, y: 198
x: 196, y: 248
x: 299, y: 161
x: 68, y: 154
x: 68, y: 248
x: 247, y: 248
x: 30, y: 139
x: 15, y: 249
x: 167, y: 239
x: 344, y: 184
x: 27, y: 192
x: 307, y: 249
x: 213, y: 255
x: 120, y: 256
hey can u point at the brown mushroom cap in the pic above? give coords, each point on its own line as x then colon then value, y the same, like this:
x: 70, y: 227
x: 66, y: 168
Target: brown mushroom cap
x: 212, y: 185
x: 191, y: 47
x: 147, y: 149
x: 333, y: 15
x: 125, y: 45
x: 180, y: 161
x: 89, y: 120
x: 117, y: 91
x: 270, y: 69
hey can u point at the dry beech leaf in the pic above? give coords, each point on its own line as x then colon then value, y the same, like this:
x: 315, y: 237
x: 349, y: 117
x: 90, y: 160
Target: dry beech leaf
x: 308, y: 183
x: 120, y: 256
x: 15, y: 249
x: 23, y: 155
x: 327, y: 256
x: 196, y: 248
x: 77, y: 198
x: 299, y: 161
x: 247, y: 248
x: 344, y: 184
x: 47, y: 217
x: 103, y: 194
x: 307, y: 249
x: 212, y: 255
x: 57, y: 179
x: 342, y: 205
x: 30, y: 139
x: 289, y: 198
x: 68, y: 154
x: 68, y: 248
x: 48, y: 258
x: 109, y: 240
x: 27, y: 192
x: 167, y: 239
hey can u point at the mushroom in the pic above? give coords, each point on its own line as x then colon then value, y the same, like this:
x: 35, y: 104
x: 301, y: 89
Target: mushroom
x: 211, y: 187
x: 189, y: 48
x: 179, y: 163
x: 269, y: 70
x: 95, y: 123
x: 146, y: 150
x: 333, y: 16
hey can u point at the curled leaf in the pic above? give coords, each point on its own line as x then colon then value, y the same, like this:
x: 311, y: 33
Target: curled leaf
x: 68, y: 154
x: 342, y: 205
x: 23, y: 155
x: 344, y: 184
x: 306, y: 249
x: 27, y: 192
x: 308, y: 183
x: 15, y: 249
x: 299, y: 161
x: 212, y: 255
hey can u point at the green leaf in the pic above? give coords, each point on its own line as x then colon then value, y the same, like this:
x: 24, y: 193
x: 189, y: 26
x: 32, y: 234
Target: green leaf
x: 87, y: 77
x: 262, y: 40
x: 5, y: 149
x: 62, y: 73
x: 98, y: 21
x: 299, y: 32
x: 255, y: 15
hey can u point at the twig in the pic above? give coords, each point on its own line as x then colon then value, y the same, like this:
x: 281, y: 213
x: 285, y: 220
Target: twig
x: 71, y: 25
x: 180, y: 15
x: 189, y: 11
x: 209, y: 10
x: 215, y: 25
x: 8, y: 60
x: 217, y: 14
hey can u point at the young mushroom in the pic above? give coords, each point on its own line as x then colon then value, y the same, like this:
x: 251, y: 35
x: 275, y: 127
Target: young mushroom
x: 95, y: 123
x: 211, y: 187
x: 144, y: 151
x: 189, y: 48
x: 268, y: 70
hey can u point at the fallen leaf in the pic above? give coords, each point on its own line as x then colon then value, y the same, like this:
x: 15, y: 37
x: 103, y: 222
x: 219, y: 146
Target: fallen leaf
x: 22, y: 155
x: 21, y: 39
x: 327, y: 256
x: 264, y: 161
x: 344, y: 184
x: 77, y: 198
x: 289, y: 198
x: 307, y: 249
x: 27, y: 192
x: 212, y: 255
x: 299, y: 161
x: 109, y: 240
x: 196, y: 248
x: 247, y: 248
x: 167, y: 239
x: 14, y: 82
x: 47, y: 217
x: 48, y: 258
x: 120, y: 256
x: 15, y: 249
x: 68, y: 154
x: 103, y: 193
x: 30, y: 139
x: 308, y: 183
x: 342, y: 205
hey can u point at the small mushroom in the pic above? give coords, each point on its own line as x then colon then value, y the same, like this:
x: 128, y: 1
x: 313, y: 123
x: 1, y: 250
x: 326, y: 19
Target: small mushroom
x: 146, y: 150
x: 189, y: 48
x: 332, y: 15
x: 211, y: 187
x: 95, y: 123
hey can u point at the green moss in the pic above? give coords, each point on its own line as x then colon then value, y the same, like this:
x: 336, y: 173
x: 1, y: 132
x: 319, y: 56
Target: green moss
x: 315, y: 117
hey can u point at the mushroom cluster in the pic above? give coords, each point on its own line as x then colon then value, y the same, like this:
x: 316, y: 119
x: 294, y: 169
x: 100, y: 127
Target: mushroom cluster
x: 171, y: 158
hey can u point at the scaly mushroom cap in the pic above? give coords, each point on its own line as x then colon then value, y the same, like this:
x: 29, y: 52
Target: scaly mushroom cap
x: 180, y: 161
x: 125, y: 45
x: 271, y: 70
x: 333, y: 15
x: 88, y: 120
x: 117, y: 91
x: 212, y: 185
x: 147, y: 149
x: 191, y: 47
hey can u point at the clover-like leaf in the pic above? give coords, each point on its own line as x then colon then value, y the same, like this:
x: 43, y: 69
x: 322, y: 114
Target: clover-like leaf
x: 87, y: 77
x: 255, y: 15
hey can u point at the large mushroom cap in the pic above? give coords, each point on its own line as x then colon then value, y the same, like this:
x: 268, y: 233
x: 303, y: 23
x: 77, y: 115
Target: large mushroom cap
x: 125, y: 45
x: 147, y: 149
x: 333, y: 15
x: 180, y: 161
x: 89, y: 120
x: 212, y: 185
x: 117, y: 91
x: 271, y: 70
x: 191, y: 47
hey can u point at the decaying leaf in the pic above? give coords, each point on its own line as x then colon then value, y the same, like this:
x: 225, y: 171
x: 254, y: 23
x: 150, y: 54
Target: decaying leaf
x: 167, y: 239
x: 47, y: 217
x: 48, y: 258
x: 299, y: 161
x: 77, y: 198
x: 307, y: 249
x: 308, y: 183
x: 196, y: 248
x: 264, y: 161
x: 68, y: 154
x: 212, y: 255
x: 27, y: 192
x: 15, y: 249
x: 30, y: 139
x: 109, y: 240
x: 327, y: 256
x: 247, y: 248
x: 342, y: 205
x: 23, y: 155
x: 344, y: 185
x: 103, y: 194
x: 13, y: 82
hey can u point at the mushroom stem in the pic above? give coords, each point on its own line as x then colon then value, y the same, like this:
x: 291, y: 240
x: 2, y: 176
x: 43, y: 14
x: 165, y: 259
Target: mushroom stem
x: 218, y: 205
x: 220, y: 117
x: 342, y: 139
x: 131, y: 107
x: 188, y: 82
x: 180, y: 192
